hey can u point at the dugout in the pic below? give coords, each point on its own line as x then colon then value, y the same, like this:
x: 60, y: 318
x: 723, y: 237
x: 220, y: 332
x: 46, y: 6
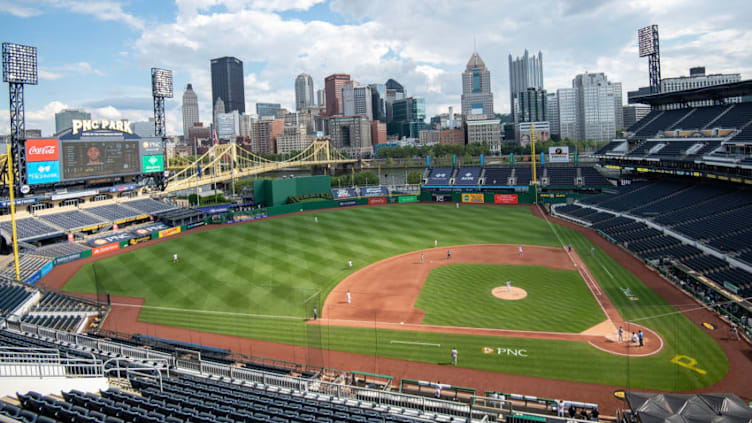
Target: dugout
x: 428, y: 389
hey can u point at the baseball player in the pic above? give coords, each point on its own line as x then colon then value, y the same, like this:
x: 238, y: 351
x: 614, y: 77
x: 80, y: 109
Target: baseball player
x: 435, y: 243
x: 175, y: 258
x: 421, y: 258
x: 641, y: 336
x: 458, y: 205
x: 621, y: 334
x: 454, y: 356
x: 509, y: 286
x: 449, y: 254
x: 349, y: 264
x: 315, y: 313
x: 520, y: 248
x: 349, y: 298
x: 592, y: 251
x: 315, y: 219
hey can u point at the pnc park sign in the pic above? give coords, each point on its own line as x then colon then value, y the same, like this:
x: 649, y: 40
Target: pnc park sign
x: 108, y: 125
x: 505, y: 351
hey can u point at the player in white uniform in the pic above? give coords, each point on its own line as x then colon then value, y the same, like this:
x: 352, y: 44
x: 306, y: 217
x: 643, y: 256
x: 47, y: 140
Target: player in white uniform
x: 520, y: 250
x: 175, y: 258
x: 349, y: 264
x: 349, y: 298
x: 509, y: 286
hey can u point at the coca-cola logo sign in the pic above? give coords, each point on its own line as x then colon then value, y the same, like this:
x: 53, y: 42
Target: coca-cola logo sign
x: 42, y: 150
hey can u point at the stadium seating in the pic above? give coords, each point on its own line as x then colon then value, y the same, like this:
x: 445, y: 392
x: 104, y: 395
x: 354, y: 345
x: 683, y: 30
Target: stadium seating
x: 60, y: 322
x: 440, y: 176
x: 12, y: 296
x: 665, y: 120
x: 699, y: 117
x: 149, y: 206
x: 608, y: 147
x: 55, y: 302
x: 498, y: 176
x: 745, y: 135
x: 114, y: 212
x: 30, y: 229
x: 28, y: 265
x: 467, y: 176
x: 739, y: 115
x: 688, y: 197
x: 73, y: 220
x: 561, y: 176
x: 629, y: 200
x: 59, y: 249
x: 640, y: 123
x: 591, y: 177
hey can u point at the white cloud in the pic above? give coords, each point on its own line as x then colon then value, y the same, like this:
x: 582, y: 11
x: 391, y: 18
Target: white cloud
x: 48, y: 75
x: 18, y: 9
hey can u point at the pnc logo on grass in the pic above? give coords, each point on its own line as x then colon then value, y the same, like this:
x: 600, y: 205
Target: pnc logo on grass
x: 488, y: 350
x: 506, y: 351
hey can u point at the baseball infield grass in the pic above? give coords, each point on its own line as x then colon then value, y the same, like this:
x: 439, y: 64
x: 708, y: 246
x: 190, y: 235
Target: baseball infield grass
x: 272, y: 267
x: 460, y: 295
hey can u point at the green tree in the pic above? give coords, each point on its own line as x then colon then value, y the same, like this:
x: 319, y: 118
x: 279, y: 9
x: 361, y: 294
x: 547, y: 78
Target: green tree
x: 414, y: 177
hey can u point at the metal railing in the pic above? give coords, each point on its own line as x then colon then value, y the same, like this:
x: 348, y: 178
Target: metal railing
x: 125, y: 351
x: 247, y: 375
x: 46, y: 362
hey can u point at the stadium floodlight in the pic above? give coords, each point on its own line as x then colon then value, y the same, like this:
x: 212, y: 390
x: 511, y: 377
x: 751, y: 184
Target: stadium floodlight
x: 161, y: 83
x: 19, y: 64
x: 646, y: 39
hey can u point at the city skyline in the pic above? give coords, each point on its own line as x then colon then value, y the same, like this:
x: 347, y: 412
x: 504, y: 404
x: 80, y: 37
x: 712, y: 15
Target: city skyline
x: 371, y: 42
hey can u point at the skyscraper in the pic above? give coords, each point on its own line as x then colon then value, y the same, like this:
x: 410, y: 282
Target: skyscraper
x: 64, y: 118
x: 190, y: 109
x: 227, y: 83
x: 477, y: 98
x: 378, y: 94
x: 524, y: 72
x: 596, y: 102
x: 409, y: 117
x: 567, y: 113
x: 303, y: 91
x: 552, y: 112
x: 357, y: 100
x: 267, y: 109
x: 333, y: 92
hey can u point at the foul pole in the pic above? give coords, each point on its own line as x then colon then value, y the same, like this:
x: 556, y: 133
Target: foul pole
x: 532, y: 150
x: 13, y: 212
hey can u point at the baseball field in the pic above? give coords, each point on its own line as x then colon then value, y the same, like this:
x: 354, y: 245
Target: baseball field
x: 261, y: 280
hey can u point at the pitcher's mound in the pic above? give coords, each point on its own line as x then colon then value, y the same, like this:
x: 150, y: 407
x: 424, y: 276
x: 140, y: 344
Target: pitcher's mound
x: 504, y: 293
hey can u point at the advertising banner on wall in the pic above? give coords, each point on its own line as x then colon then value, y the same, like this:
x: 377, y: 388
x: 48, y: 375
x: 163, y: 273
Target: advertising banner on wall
x: 407, y: 199
x: 42, y: 150
x: 109, y: 239
x: 505, y: 198
x: 46, y: 269
x: 43, y: 172
x: 347, y: 203
x: 558, y: 154
x: 472, y: 197
x: 67, y: 258
x: 342, y: 193
x: 105, y: 249
x: 148, y: 230
x: 373, y: 191
x: 376, y: 201
x: 151, y: 164
x: 168, y: 232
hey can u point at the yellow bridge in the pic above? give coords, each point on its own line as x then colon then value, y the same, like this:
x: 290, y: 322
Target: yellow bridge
x: 223, y: 162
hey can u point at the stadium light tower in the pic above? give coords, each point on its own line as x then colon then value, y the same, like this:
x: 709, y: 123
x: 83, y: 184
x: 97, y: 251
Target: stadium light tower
x: 649, y: 46
x: 19, y: 69
x: 161, y: 88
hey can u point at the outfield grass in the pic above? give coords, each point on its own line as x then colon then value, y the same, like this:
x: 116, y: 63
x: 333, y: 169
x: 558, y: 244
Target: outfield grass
x: 271, y: 267
x: 460, y: 295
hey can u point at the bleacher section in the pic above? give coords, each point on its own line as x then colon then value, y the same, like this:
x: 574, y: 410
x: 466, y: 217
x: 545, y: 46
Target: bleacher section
x: 562, y: 176
x: 12, y: 296
x: 468, y: 176
x: 591, y: 177
x: 149, y: 206
x: 54, y: 302
x: 498, y: 176
x: 30, y: 229
x: 608, y: 147
x: 73, y: 220
x: 739, y: 115
x: 28, y: 264
x: 745, y: 135
x: 440, y: 176
x: 699, y: 118
x: 637, y: 125
x: 666, y: 119
x: 59, y: 249
x: 114, y: 212
x: 717, y: 217
x: 60, y: 322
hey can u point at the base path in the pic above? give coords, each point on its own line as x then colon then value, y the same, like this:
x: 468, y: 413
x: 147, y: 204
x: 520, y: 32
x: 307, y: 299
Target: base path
x: 384, y: 294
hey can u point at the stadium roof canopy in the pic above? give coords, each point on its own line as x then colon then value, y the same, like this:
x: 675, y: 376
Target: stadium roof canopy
x: 681, y: 408
x: 714, y: 92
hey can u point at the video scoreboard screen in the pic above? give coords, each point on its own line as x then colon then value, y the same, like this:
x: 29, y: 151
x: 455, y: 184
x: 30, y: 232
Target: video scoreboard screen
x: 87, y: 159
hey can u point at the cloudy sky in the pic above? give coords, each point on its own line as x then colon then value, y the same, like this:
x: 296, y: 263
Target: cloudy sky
x: 96, y: 55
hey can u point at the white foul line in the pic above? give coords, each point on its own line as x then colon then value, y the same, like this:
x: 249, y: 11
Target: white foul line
x: 414, y: 343
x: 609, y: 273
